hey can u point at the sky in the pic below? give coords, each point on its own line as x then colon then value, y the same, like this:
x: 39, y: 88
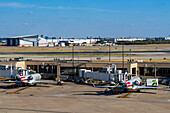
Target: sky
x: 82, y: 18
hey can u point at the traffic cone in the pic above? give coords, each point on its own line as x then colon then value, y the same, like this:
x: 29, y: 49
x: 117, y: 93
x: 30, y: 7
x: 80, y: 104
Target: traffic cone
x: 62, y: 86
x: 89, y: 90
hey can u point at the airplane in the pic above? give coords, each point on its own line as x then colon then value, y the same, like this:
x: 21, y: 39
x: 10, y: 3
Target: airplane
x: 130, y: 85
x: 30, y: 79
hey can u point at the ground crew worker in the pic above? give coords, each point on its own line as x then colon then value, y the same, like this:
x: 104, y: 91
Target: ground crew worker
x: 106, y: 91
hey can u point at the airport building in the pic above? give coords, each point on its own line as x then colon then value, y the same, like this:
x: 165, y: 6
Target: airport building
x: 129, y: 39
x: 35, y: 40
x: 68, y: 68
x: 30, y: 40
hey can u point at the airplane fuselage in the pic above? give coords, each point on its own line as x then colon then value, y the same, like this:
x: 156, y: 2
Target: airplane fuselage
x: 30, y: 79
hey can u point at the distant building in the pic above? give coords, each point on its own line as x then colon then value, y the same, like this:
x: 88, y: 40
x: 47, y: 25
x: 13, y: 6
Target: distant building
x: 160, y: 38
x: 35, y: 40
x: 167, y: 38
x: 29, y: 40
x: 129, y: 39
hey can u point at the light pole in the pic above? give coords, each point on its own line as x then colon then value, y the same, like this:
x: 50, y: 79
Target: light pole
x: 91, y: 60
x: 130, y: 62
x: 109, y: 53
x: 73, y: 56
x: 123, y: 57
x: 130, y: 55
x: 74, y: 67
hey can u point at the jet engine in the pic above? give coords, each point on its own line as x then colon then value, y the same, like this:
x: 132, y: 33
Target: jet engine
x: 30, y: 78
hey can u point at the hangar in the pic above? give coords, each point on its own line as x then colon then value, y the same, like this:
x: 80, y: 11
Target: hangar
x: 29, y: 40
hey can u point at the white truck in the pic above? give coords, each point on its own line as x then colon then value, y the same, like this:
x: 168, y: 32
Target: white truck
x: 152, y: 81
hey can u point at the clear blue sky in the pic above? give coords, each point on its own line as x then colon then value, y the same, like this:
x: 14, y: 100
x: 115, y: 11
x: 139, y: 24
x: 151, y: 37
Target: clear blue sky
x: 82, y: 18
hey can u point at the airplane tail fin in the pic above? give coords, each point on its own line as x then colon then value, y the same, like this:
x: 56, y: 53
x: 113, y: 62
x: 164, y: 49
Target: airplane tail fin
x: 128, y: 84
x: 21, y: 76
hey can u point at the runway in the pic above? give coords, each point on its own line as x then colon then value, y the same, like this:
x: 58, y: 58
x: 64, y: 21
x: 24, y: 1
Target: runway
x: 94, y: 52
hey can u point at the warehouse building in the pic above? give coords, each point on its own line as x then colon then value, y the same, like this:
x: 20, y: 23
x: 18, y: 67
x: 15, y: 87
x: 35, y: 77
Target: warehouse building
x: 29, y: 40
x: 23, y: 41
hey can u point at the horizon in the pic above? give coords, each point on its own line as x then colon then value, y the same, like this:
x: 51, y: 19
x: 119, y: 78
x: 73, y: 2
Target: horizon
x: 50, y: 37
x: 82, y: 18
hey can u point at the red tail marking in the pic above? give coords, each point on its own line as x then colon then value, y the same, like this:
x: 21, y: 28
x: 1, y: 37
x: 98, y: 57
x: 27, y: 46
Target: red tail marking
x: 129, y: 85
x: 20, y: 73
x: 23, y: 78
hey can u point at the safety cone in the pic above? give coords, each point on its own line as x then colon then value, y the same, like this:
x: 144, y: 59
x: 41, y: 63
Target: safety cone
x: 62, y: 86
x: 89, y: 90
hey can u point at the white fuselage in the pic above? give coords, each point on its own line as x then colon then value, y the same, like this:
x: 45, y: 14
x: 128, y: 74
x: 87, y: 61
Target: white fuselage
x: 30, y: 79
x: 133, y: 83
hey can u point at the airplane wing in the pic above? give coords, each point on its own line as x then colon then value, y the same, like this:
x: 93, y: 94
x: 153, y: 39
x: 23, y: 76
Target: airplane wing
x: 49, y: 82
x: 10, y: 81
x: 148, y: 87
x: 107, y: 86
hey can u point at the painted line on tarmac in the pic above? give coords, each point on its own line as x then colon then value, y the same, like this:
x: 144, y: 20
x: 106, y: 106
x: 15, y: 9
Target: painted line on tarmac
x: 135, y: 95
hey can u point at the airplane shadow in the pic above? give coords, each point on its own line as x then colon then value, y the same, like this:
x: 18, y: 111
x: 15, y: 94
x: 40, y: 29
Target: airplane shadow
x: 98, y: 93
x: 85, y: 91
x: 166, y: 90
x: 7, y: 87
x: 13, y: 86
x: 142, y: 92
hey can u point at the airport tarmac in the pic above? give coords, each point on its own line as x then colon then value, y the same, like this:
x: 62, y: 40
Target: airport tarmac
x: 71, y: 97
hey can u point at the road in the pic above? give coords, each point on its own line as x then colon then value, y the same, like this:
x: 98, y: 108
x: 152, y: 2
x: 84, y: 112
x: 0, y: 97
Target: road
x: 94, y: 52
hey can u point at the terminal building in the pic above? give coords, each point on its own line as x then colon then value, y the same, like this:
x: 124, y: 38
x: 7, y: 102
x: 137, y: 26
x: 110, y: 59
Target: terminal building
x: 69, y: 68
